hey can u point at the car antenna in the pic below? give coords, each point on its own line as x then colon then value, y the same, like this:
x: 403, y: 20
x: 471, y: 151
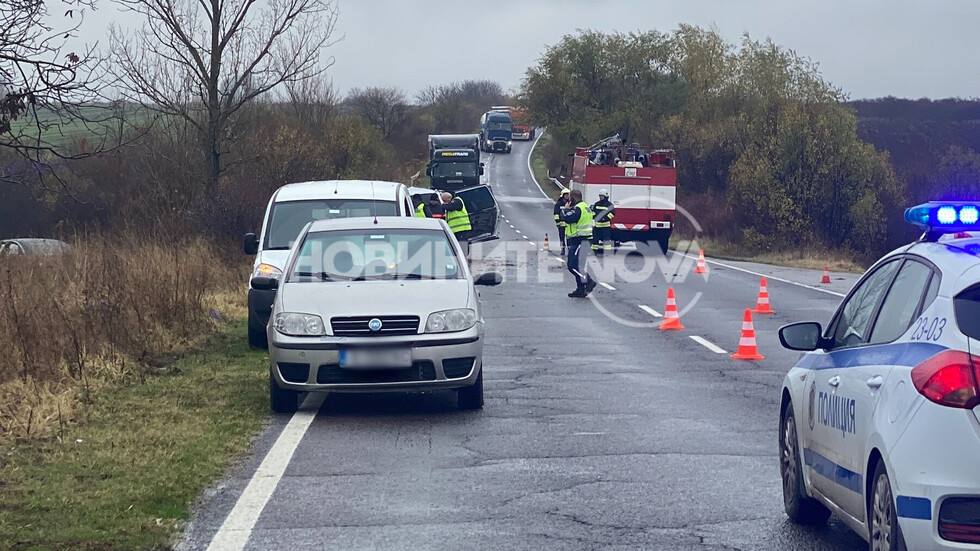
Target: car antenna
x: 374, y: 203
x: 336, y: 185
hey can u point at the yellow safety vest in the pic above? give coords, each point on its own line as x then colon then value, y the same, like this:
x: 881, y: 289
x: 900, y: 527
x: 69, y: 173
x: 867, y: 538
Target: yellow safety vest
x: 420, y: 211
x: 458, y: 220
x: 582, y: 228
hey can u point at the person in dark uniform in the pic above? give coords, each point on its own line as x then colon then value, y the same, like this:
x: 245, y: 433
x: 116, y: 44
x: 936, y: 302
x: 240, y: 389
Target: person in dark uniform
x: 559, y: 204
x: 603, y: 212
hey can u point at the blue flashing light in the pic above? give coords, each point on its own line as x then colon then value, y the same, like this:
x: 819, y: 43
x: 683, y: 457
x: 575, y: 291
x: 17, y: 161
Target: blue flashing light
x: 938, y: 218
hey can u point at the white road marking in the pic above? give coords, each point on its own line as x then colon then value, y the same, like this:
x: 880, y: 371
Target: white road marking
x: 607, y: 286
x: 560, y: 260
x: 236, y: 529
x: 524, y: 236
x: 770, y: 277
x: 651, y: 311
x: 533, y: 243
x: 511, y: 225
x: 518, y: 232
x: 530, y: 170
x: 588, y: 434
x: 707, y: 344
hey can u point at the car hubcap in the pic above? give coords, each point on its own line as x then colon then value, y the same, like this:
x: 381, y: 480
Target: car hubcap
x: 787, y: 461
x: 881, y: 516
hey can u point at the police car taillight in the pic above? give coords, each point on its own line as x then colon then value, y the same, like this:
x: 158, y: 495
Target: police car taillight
x: 949, y: 379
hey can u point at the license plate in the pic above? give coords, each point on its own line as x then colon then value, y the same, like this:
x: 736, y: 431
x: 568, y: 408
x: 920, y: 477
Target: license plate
x: 378, y: 359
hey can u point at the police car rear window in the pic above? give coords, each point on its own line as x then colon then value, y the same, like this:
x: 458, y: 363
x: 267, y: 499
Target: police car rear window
x: 966, y: 306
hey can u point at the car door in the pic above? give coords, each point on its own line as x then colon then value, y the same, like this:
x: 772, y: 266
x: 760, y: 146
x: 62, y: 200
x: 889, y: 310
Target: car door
x: 862, y: 382
x: 832, y: 410
x: 484, y: 213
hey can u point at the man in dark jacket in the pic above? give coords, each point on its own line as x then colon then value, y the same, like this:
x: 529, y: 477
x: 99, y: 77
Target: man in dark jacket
x: 603, y: 211
x: 562, y: 201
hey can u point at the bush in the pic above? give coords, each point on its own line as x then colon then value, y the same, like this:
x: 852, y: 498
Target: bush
x: 107, y: 312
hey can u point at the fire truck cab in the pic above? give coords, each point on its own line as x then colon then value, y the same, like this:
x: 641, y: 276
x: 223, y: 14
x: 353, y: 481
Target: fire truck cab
x: 642, y: 186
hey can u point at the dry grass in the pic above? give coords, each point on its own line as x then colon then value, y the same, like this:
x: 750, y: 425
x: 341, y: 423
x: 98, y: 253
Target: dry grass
x: 112, y: 311
x: 837, y: 261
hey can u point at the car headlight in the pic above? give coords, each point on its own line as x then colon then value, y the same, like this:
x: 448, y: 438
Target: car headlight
x: 510, y: 142
x: 446, y: 321
x: 299, y: 325
x: 267, y: 270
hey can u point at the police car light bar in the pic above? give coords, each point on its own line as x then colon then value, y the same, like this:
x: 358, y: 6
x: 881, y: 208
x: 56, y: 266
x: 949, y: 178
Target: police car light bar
x: 937, y: 218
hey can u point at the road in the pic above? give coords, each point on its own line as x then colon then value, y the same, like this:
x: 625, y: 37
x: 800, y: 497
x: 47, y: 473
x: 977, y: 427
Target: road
x: 599, y: 431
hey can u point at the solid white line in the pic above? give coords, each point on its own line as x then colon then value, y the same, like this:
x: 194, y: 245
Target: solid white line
x: 768, y: 277
x: 236, y: 529
x: 607, y: 286
x: 651, y: 311
x: 530, y: 170
x: 707, y: 344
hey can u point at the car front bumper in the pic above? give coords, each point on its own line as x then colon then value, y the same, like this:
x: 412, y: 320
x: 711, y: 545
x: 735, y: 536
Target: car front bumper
x: 439, y: 361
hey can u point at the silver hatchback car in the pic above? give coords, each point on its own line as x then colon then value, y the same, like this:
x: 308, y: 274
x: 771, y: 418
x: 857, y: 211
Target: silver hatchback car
x: 375, y: 305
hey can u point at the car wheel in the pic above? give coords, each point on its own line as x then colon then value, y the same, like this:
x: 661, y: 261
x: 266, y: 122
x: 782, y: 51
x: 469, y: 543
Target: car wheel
x: 471, y: 397
x: 885, y: 534
x: 799, y: 507
x: 280, y: 399
x: 256, y: 334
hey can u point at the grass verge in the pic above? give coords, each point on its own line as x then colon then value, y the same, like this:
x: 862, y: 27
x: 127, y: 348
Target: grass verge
x: 540, y: 169
x: 127, y: 476
x: 807, y: 259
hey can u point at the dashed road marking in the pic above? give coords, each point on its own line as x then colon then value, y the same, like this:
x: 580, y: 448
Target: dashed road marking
x: 518, y: 231
x: 708, y: 344
x: 651, y: 311
x: 607, y: 286
x: 524, y: 236
x: 236, y: 529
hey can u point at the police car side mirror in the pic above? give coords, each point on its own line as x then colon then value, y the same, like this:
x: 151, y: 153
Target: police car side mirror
x: 804, y: 336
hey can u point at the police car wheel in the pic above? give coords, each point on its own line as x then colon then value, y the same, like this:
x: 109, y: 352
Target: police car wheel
x: 799, y: 507
x: 471, y: 397
x: 885, y: 534
x: 280, y: 399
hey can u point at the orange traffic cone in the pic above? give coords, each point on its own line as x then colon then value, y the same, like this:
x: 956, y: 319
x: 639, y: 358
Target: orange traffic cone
x: 762, y: 305
x: 826, y: 275
x: 702, y: 265
x: 746, y: 344
x: 545, y: 247
x: 672, y: 319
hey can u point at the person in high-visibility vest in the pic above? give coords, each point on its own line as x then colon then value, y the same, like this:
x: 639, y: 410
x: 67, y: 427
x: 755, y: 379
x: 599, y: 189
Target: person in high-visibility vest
x: 458, y: 219
x: 578, y: 233
x: 559, y: 204
x: 421, y: 209
x: 603, y: 212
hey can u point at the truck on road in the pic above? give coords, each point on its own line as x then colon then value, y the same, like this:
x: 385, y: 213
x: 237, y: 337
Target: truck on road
x: 496, y: 131
x: 454, y: 169
x: 454, y: 141
x: 642, y: 184
x: 520, y: 128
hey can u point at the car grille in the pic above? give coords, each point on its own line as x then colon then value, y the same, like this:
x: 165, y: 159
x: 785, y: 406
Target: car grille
x: 959, y: 519
x: 294, y: 373
x: 390, y: 326
x: 333, y: 374
x: 457, y: 368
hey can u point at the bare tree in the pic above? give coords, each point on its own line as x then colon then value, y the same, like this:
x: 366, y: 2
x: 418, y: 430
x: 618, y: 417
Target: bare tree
x: 313, y: 101
x: 384, y: 108
x: 48, y: 91
x: 203, y: 60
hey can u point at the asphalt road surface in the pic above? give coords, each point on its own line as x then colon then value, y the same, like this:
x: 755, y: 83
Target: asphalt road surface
x: 599, y: 431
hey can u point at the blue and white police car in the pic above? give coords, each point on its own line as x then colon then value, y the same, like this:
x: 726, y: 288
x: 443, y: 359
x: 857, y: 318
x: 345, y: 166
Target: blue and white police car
x: 880, y: 419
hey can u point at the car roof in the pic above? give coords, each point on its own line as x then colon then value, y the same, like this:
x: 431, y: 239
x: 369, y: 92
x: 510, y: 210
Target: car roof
x: 381, y: 223
x: 952, y: 256
x: 346, y: 189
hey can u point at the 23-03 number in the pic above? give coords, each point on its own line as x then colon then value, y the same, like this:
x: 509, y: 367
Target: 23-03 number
x: 928, y: 329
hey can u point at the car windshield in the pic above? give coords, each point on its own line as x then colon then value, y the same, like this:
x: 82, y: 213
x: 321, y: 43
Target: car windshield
x: 360, y: 255
x: 498, y: 125
x: 288, y: 218
x: 465, y: 170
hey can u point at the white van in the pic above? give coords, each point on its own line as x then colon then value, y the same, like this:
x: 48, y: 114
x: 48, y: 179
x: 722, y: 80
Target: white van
x: 292, y: 207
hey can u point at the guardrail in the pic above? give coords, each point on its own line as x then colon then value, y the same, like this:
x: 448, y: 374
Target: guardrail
x: 557, y: 183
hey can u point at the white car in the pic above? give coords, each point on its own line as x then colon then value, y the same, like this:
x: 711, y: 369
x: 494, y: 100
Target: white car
x: 880, y: 419
x: 375, y: 305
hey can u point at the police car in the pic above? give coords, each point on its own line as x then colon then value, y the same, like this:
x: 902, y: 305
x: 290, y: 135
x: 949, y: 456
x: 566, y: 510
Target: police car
x: 880, y: 419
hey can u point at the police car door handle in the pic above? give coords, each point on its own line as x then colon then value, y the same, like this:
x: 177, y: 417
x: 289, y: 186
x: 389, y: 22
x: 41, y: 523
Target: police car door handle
x: 875, y: 382
x: 834, y: 381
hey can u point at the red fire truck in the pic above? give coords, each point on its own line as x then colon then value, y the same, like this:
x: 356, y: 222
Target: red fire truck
x: 641, y: 183
x: 521, y: 129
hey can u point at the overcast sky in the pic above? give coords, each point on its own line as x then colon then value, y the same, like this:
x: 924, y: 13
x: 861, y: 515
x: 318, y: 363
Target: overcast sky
x: 870, y: 48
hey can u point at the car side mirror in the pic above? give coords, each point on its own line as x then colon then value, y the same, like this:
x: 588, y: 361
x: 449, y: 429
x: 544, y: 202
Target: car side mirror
x: 262, y: 283
x: 481, y: 169
x: 428, y: 170
x: 804, y: 336
x: 251, y: 244
x: 489, y: 279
